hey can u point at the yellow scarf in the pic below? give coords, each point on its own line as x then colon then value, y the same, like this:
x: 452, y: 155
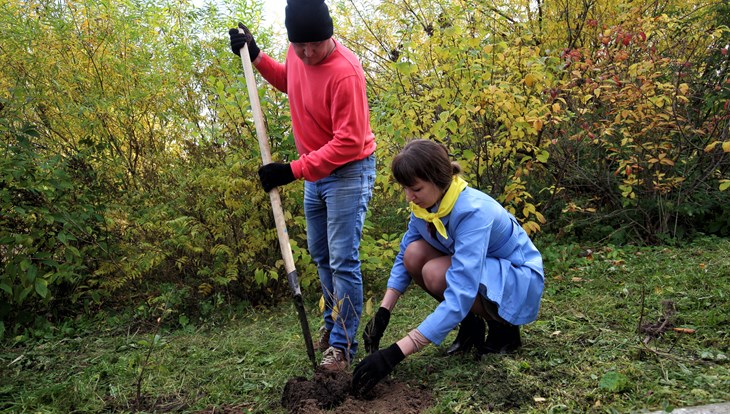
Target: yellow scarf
x: 447, y: 204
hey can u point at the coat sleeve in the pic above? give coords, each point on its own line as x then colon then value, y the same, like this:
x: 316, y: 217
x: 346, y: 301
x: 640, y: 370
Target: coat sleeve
x: 470, y: 231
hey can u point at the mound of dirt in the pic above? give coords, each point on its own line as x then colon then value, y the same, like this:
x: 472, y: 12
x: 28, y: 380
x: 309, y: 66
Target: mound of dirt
x: 331, y: 391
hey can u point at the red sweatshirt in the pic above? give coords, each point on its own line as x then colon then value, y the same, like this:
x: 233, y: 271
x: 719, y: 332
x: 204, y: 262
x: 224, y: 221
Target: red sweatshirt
x: 329, y: 110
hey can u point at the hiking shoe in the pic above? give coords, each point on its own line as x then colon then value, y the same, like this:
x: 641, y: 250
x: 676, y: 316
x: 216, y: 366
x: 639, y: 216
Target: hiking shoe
x: 334, y: 359
x: 471, y: 334
x: 324, y: 339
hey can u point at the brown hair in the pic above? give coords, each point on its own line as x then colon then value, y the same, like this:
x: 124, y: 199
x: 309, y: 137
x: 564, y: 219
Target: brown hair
x: 425, y: 160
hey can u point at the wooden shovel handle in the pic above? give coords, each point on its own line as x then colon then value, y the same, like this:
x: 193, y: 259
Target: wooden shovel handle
x: 291, y: 272
x: 258, y: 119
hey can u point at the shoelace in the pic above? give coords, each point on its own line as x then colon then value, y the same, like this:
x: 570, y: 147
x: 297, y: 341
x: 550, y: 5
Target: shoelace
x: 331, y: 356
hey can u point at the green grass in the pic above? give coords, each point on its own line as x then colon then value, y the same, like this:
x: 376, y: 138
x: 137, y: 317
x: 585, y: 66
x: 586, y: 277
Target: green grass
x: 584, y: 353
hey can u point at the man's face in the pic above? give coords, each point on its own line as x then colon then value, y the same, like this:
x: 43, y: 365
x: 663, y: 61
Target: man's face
x: 312, y: 53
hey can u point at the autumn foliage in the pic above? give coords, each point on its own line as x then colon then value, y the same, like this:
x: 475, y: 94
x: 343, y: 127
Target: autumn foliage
x: 603, y: 120
x: 129, y: 154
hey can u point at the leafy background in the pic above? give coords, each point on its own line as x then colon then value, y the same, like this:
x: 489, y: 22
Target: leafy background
x: 129, y: 154
x: 132, y: 221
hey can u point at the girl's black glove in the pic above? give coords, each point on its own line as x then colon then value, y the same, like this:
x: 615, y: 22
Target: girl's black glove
x: 239, y: 39
x: 374, y: 330
x: 374, y: 368
x: 275, y: 174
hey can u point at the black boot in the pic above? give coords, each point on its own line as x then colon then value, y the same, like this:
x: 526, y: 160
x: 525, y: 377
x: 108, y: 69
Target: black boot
x: 471, y: 333
x: 502, y: 338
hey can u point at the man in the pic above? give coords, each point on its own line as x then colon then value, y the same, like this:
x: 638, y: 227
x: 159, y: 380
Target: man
x: 330, y: 116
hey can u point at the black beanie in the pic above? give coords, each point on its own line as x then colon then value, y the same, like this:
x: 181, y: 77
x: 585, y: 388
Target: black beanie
x: 307, y: 21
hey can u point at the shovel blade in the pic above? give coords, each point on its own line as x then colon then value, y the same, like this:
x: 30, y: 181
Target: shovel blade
x: 299, y: 305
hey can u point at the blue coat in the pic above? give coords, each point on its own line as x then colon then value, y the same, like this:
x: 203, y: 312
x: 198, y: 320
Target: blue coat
x: 491, y: 255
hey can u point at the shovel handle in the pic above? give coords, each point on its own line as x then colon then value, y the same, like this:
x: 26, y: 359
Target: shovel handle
x: 283, y: 235
x: 258, y: 119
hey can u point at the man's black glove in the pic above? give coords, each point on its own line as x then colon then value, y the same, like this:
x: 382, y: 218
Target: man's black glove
x: 374, y: 368
x: 275, y: 174
x: 374, y: 330
x: 239, y: 39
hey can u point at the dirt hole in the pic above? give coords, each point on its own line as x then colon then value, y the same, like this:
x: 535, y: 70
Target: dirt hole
x: 330, y: 392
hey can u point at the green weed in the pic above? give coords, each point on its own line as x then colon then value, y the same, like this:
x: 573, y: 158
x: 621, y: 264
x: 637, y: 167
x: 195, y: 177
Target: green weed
x: 587, y: 352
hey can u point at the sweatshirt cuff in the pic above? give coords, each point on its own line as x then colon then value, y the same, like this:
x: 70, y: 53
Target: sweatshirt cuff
x: 297, y: 169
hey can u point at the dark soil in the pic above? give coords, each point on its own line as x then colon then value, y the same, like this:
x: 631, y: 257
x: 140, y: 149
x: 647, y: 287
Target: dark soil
x: 662, y: 325
x: 330, y: 392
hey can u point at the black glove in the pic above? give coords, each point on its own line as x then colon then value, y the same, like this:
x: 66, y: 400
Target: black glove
x: 374, y: 330
x: 239, y: 39
x: 275, y: 174
x: 374, y: 368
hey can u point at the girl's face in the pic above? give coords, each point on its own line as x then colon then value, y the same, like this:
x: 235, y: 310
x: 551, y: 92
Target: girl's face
x: 312, y: 53
x: 424, y: 194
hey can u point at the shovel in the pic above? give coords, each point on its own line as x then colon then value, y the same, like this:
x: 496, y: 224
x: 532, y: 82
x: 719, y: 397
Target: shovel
x: 291, y: 271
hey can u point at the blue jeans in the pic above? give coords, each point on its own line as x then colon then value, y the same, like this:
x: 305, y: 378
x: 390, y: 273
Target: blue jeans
x: 335, y: 208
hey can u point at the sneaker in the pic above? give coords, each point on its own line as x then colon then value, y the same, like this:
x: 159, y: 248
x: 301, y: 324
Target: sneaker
x: 324, y: 339
x: 334, y: 359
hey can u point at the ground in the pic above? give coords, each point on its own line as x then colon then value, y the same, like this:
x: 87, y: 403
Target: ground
x: 330, y: 393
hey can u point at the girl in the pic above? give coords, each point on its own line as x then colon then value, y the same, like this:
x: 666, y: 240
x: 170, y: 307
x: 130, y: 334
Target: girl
x: 465, y: 250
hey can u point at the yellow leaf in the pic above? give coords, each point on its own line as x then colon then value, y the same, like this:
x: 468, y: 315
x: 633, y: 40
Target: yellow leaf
x: 537, y: 125
x: 726, y: 146
x: 205, y: 289
x: 683, y: 88
x: 530, y: 80
x: 369, y: 307
x: 531, y: 227
x: 556, y: 107
x: 711, y: 146
x: 540, y: 217
x: 336, y: 310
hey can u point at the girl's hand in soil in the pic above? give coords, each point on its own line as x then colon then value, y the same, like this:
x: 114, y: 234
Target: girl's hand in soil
x: 374, y: 330
x: 375, y: 367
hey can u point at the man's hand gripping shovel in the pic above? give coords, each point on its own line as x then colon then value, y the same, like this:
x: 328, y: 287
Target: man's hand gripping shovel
x: 283, y: 235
